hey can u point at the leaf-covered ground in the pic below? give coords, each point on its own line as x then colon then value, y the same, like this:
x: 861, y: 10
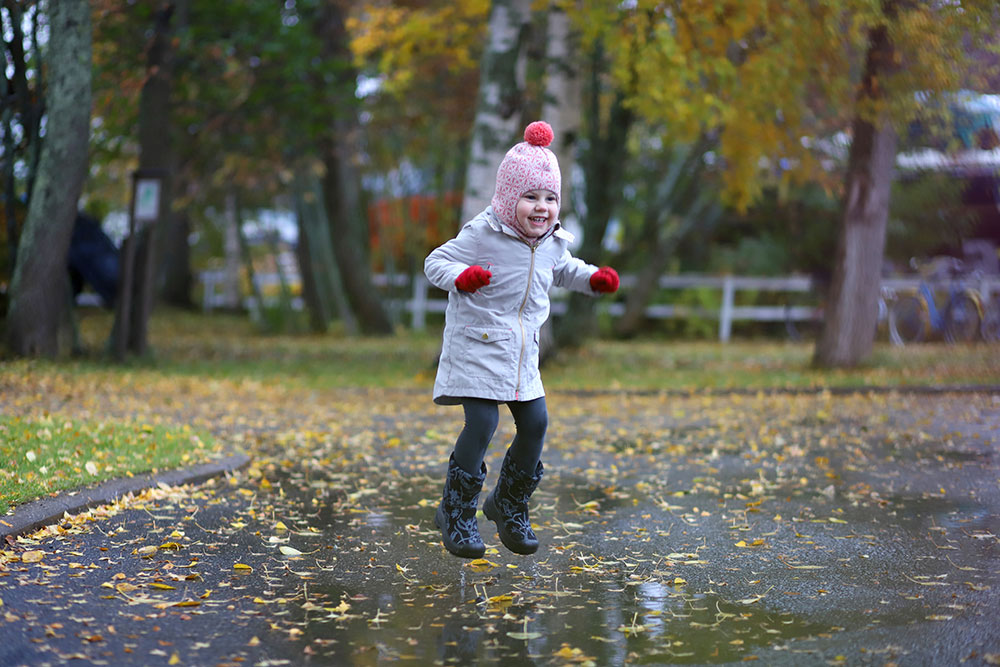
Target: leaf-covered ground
x: 793, y: 529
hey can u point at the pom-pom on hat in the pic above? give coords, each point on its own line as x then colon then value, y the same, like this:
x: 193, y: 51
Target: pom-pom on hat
x: 528, y: 165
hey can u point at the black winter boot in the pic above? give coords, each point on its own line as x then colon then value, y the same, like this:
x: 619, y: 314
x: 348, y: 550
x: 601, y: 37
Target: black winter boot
x: 507, y: 506
x: 456, y: 515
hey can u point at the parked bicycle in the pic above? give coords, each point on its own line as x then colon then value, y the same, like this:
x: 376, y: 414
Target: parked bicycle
x: 913, y: 316
x: 990, y: 328
x: 803, y: 317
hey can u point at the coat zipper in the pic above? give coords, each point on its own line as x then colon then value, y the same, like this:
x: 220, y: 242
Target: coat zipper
x: 520, y: 322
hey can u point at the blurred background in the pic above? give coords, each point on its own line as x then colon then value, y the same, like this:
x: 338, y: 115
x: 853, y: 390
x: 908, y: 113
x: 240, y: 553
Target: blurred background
x: 819, y: 172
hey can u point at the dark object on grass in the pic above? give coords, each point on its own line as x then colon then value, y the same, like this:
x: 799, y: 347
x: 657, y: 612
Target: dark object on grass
x: 93, y: 260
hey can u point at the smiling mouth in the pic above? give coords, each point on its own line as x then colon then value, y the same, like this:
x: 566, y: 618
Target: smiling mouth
x: 538, y: 221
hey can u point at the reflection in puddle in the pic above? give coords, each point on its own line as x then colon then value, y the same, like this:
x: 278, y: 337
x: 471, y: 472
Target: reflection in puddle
x: 391, y: 593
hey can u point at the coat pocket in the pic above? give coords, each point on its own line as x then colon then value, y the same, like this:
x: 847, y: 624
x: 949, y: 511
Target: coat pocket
x: 487, y: 353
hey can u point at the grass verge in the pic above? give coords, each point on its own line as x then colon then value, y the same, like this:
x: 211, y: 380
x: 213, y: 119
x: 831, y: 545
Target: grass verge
x: 46, y: 455
x: 226, y: 346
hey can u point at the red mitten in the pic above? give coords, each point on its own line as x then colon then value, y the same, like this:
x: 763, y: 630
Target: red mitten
x: 473, y: 278
x: 604, y: 280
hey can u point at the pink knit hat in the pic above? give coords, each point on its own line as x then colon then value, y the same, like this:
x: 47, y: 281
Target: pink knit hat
x: 529, y: 165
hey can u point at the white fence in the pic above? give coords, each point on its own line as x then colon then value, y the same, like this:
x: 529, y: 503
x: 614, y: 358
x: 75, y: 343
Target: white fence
x: 424, y: 299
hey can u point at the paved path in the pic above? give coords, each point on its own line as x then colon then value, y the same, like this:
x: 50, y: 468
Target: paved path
x: 858, y: 529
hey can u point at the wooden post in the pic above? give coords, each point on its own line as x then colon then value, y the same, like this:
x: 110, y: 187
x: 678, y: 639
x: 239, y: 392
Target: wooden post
x: 726, y: 313
x: 419, y: 303
x: 147, y: 191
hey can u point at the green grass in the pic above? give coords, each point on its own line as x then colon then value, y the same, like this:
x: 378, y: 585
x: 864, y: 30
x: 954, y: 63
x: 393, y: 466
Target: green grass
x: 226, y: 346
x: 49, y: 454
x: 652, y: 365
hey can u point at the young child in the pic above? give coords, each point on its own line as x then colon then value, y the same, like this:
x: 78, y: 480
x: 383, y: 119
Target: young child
x: 498, y: 272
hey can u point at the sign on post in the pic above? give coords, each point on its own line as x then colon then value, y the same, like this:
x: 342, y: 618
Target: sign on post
x: 147, y: 200
x: 147, y: 188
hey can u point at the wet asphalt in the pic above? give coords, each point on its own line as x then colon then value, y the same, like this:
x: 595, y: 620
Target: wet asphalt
x: 784, y: 529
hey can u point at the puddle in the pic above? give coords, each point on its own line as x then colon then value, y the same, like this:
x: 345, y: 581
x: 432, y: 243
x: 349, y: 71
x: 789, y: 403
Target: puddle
x: 387, y: 591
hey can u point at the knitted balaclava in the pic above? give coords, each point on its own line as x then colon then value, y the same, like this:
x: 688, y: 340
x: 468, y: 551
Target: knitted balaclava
x: 529, y: 165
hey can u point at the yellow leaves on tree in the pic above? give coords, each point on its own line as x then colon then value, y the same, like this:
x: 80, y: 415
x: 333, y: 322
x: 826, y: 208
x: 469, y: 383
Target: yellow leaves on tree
x: 408, y: 43
x: 771, y: 76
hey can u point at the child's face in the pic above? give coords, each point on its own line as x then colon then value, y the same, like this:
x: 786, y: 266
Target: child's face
x: 536, y: 211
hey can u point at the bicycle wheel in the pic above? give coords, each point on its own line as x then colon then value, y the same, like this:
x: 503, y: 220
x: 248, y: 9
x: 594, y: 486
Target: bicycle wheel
x: 962, y: 319
x: 990, y: 328
x: 907, y: 320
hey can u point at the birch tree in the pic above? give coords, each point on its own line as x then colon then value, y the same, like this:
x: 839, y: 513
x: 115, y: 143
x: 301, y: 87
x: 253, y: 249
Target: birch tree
x: 499, y: 104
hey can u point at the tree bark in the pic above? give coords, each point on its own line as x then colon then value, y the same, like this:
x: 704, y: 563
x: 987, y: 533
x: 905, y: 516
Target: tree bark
x: 314, y: 295
x: 561, y: 105
x: 321, y: 286
x: 851, y: 311
x: 175, y: 280
x: 23, y: 105
x: 677, y: 201
x: 500, y: 102
x: 563, y: 99
x: 138, y: 281
x: 602, y: 162
x: 341, y: 185
x: 38, y: 306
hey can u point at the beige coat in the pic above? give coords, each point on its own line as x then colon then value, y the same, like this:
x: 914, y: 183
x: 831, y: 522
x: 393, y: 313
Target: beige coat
x: 490, y: 345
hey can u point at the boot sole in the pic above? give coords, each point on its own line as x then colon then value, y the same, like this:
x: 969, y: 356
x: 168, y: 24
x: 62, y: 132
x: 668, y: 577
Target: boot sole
x: 493, y: 514
x: 454, y: 549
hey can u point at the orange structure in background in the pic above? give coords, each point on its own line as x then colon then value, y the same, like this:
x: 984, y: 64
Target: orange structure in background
x: 406, y: 229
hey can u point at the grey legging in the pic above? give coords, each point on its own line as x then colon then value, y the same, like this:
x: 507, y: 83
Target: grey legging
x: 531, y: 418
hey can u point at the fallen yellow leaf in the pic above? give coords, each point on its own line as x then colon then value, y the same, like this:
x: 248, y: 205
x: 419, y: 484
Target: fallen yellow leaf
x: 32, y: 556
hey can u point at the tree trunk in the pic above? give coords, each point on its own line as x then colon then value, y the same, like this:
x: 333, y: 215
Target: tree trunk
x: 677, y: 201
x: 317, y: 301
x: 232, y: 287
x: 563, y: 99
x: 137, y: 291
x: 345, y: 227
x: 321, y: 286
x: 38, y: 306
x: 177, y: 280
x: 561, y: 109
x: 851, y: 311
x: 500, y: 102
x: 602, y: 162
x: 703, y: 213
x: 341, y: 185
x: 23, y: 106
